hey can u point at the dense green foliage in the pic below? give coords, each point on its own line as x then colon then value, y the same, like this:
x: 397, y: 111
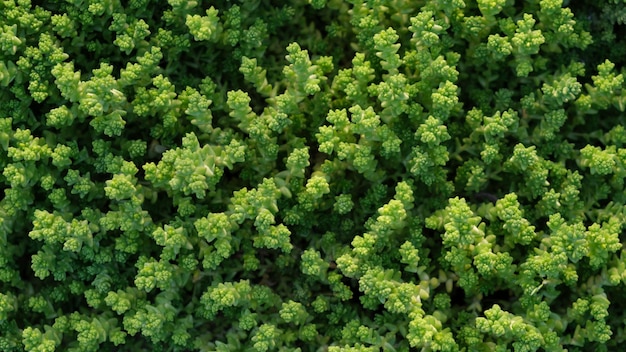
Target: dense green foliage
x: 320, y: 175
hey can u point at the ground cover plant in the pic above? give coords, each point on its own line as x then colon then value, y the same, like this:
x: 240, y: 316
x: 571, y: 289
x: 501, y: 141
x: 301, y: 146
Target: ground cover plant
x: 319, y: 175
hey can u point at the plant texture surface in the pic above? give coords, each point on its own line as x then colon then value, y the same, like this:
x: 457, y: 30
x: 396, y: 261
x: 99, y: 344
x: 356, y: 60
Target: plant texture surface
x: 321, y: 175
